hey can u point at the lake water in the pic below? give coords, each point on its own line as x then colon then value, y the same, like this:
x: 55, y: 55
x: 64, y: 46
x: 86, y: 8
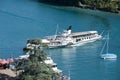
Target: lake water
x: 26, y: 19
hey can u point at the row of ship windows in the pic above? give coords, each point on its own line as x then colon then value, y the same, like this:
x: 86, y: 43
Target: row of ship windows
x: 84, y: 35
x: 85, y: 38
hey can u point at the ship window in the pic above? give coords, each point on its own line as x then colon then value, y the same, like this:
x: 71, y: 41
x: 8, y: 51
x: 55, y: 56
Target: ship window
x: 76, y: 40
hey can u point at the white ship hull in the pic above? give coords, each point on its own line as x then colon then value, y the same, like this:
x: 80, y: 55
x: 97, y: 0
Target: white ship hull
x: 80, y: 43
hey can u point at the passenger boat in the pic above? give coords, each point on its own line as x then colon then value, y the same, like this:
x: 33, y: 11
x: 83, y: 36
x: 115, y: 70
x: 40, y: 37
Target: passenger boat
x: 67, y: 38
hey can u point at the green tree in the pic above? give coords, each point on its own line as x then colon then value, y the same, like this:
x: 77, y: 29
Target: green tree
x: 118, y: 5
x: 35, y: 68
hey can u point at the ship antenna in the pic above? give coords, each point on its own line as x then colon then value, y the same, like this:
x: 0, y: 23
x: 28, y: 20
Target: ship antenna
x: 56, y: 32
x: 56, y: 29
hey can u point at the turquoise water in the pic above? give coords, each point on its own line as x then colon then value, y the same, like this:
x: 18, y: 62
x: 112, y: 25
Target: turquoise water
x: 25, y: 19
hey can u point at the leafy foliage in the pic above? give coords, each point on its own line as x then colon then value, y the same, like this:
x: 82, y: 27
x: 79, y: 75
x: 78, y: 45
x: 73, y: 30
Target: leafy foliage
x: 34, y: 68
x: 106, y: 5
x: 34, y: 41
x: 37, y: 41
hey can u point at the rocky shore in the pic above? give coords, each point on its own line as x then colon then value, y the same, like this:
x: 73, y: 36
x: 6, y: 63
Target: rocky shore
x: 7, y: 74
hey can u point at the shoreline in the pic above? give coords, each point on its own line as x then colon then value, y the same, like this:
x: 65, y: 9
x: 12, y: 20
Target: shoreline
x: 82, y: 6
x: 102, y: 10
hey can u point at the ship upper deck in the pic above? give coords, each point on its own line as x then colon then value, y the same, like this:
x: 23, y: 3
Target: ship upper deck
x: 83, y: 33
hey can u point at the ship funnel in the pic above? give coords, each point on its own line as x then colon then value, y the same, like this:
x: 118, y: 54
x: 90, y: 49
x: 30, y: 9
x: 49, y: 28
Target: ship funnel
x: 69, y: 29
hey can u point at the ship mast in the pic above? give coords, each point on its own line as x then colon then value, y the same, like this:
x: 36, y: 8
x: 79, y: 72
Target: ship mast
x: 107, y: 42
x: 56, y: 32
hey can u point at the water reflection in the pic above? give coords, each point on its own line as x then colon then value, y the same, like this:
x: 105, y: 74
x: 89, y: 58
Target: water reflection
x: 109, y: 68
x: 68, y: 52
x: 103, y: 20
x: 65, y: 53
x: 69, y: 56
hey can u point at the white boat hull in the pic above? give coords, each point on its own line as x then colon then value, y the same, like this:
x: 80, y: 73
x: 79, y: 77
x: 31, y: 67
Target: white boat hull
x: 56, y: 46
x: 108, y: 56
x: 80, y: 43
